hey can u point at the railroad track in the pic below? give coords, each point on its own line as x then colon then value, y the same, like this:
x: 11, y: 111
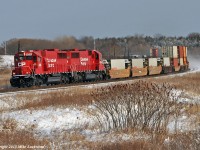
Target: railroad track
x: 11, y: 90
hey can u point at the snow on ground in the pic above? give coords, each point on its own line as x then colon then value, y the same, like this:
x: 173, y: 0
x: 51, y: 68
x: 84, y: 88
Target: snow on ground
x: 7, y: 61
x: 51, y: 122
x: 46, y: 121
x: 50, y: 119
x: 182, y: 123
x: 194, y: 64
x: 189, y: 99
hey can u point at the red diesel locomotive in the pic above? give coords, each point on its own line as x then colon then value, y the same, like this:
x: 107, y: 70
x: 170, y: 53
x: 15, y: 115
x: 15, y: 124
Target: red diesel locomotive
x: 53, y: 66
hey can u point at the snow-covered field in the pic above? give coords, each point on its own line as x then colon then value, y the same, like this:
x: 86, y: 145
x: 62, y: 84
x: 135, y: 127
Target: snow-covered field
x: 7, y: 61
x: 54, y: 121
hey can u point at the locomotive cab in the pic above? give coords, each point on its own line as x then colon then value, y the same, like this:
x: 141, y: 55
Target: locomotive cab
x: 25, y: 65
x: 21, y: 64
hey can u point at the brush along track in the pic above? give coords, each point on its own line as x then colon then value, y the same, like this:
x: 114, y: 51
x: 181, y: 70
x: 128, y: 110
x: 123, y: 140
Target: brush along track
x: 12, y: 90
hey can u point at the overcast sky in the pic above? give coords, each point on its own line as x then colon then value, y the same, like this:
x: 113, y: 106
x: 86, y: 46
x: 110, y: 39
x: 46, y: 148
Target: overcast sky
x: 48, y: 19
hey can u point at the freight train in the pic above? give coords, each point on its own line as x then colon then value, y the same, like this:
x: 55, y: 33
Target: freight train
x: 54, y: 66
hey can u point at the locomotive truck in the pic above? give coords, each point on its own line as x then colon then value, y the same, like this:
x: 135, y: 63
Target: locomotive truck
x: 54, y: 66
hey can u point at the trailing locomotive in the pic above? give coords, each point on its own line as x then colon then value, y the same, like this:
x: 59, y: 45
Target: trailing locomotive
x: 54, y: 66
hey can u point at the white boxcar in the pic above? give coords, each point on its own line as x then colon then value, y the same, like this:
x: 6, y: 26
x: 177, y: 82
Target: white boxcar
x: 117, y: 63
x: 175, y: 52
x: 153, y: 62
x: 166, y: 61
x: 137, y: 63
x: 181, y: 61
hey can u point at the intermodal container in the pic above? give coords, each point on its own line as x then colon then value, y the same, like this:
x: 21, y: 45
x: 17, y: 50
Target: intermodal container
x: 138, y: 63
x: 155, y: 52
x: 153, y: 62
x: 181, y: 62
x: 170, y: 51
x: 117, y: 64
x: 181, y: 51
x: 175, y: 62
x: 149, y: 52
x: 162, y: 52
x: 184, y: 51
x: 166, y: 61
x: 185, y: 60
x: 175, y: 52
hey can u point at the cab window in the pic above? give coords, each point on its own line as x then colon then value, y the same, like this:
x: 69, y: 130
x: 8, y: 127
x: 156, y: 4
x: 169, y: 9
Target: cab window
x: 97, y: 56
x: 29, y: 58
x: 75, y: 55
x: 21, y: 58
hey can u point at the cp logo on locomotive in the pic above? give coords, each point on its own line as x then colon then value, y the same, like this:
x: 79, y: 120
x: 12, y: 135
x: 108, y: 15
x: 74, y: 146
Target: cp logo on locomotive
x: 21, y: 64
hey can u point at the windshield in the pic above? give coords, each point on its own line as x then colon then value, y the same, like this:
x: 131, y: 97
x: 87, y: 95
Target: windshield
x: 21, y: 58
x: 28, y: 57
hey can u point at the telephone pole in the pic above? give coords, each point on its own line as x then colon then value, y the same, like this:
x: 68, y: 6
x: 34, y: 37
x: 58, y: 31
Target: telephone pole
x: 5, y: 47
x: 94, y: 44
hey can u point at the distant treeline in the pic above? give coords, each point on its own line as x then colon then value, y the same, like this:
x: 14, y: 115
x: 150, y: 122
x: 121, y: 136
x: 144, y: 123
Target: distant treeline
x: 110, y: 47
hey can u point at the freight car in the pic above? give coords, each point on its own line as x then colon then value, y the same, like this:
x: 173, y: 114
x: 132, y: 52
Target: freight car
x: 54, y: 66
x: 157, y: 61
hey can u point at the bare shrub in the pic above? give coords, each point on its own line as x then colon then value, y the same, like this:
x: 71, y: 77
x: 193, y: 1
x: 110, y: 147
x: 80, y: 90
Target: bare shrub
x: 141, y: 105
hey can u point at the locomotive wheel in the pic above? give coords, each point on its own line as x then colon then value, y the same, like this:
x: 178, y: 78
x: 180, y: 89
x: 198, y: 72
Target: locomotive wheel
x: 22, y: 83
x: 65, y: 80
x: 29, y: 84
x: 38, y: 82
x: 80, y: 78
x: 100, y: 77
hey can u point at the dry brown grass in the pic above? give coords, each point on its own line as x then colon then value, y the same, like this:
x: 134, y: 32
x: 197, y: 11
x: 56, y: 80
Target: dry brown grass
x: 189, y: 82
x: 60, y: 99
x: 11, y: 138
x: 192, y: 109
x: 133, y: 145
x: 81, y: 96
x: 5, y: 71
x: 20, y: 138
x: 5, y: 75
